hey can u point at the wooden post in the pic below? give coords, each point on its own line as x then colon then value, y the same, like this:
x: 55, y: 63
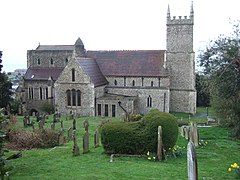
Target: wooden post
x: 160, y: 144
x: 192, y: 162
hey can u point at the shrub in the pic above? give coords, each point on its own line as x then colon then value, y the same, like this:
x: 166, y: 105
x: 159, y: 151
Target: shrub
x: 28, y: 140
x: 141, y: 136
x: 47, y: 107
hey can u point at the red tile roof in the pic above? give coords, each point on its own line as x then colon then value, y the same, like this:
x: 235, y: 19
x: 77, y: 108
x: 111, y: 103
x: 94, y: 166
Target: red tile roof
x: 130, y: 63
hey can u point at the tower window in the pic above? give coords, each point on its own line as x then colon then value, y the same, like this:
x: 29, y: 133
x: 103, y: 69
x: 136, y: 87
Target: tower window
x: 115, y: 82
x: 142, y: 80
x: 73, y: 75
x: 133, y: 83
x: 66, y: 60
x: 38, y: 61
x: 46, y: 93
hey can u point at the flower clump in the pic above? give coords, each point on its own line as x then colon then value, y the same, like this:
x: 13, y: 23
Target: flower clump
x: 176, y: 151
x: 235, y: 167
x: 151, y: 156
x: 202, y: 143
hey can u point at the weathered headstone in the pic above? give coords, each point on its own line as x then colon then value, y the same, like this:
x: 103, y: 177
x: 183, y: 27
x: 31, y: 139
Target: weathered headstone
x: 70, y: 134
x: 76, y: 151
x: 25, y: 121
x: 187, y: 130
x: 32, y: 124
x: 86, y: 125
x: 29, y: 123
x: 53, y: 126
x: 192, y: 162
x: 160, y: 151
x: 74, y: 124
x: 40, y: 124
x: 61, y: 138
x: 96, y: 138
x: 62, y: 128
x: 86, y: 142
x: 194, y: 137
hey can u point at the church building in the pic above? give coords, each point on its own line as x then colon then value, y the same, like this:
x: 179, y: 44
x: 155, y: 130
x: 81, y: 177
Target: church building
x: 114, y: 83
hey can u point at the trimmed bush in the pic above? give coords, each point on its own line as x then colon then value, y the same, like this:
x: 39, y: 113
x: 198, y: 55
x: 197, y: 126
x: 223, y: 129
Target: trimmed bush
x: 141, y: 136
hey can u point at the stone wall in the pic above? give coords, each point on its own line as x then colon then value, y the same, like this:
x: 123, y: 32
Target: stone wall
x: 48, y: 58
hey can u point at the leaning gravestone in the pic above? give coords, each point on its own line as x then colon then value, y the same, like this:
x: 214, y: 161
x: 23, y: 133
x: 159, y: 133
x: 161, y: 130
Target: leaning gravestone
x: 194, y: 137
x: 192, y: 162
x: 96, y: 138
x: 76, y: 151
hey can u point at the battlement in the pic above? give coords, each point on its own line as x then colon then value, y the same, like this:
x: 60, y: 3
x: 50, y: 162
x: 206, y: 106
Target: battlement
x: 180, y: 20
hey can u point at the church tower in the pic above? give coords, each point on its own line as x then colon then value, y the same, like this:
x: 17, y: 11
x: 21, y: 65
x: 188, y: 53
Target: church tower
x: 180, y: 61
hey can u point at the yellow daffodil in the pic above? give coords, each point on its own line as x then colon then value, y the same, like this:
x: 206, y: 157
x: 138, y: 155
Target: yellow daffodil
x: 229, y: 169
x: 148, y: 153
x: 154, y: 157
x: 149, y: 158
x: 234, y: 165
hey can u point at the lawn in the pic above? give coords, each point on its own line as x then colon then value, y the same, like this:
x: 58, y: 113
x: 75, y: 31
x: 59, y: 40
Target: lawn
x: 59, y: 163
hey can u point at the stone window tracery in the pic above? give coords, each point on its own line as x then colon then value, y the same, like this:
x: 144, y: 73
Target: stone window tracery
x: 73, y: 97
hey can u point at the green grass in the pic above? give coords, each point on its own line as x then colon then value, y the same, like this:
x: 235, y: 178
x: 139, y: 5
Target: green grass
x: 59, y: 163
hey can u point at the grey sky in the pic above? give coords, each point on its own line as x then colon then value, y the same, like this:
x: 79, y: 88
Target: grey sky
x: 105, y: 24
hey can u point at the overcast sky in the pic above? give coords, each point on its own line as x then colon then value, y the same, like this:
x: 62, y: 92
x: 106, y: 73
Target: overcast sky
x: 104, y: 24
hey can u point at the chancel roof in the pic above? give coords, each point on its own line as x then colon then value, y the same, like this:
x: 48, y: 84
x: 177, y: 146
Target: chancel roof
x: 130, y: 63
x: 91, y: 68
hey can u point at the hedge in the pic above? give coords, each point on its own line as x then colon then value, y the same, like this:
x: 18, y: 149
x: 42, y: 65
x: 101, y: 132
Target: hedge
x: 141, y: 136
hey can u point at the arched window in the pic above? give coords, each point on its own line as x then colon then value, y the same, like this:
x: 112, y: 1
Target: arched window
x: 115, y: 82
x: 149, y: 101
x: 68, y: 97
x: 38, y: 61
x: 51, y: 61
x: 78, y: 97
x: 151, y: 83
x: 46, y: 92
x: 73, y: 97
x: 133, y: 83
x: 66, y: 60
x: 40, y: 93
x: 73, y: 75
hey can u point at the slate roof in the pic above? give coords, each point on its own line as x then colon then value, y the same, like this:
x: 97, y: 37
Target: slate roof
x: 56, y: 47
x: 91, y: 68
x: 130, y: 63
x: 34, y: 73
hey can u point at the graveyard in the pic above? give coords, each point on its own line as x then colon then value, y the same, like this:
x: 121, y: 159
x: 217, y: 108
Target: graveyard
x: 80, y: 154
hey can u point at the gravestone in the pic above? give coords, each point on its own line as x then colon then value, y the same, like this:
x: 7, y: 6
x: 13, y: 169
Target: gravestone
x: 194, y: 136
x: 192, y: 162
x: 53, y: 126
x: 57, y: 117
x: 25, y: 121
x: 40, y: 124
x: 86, y: 142
x: 29, y: 123
x: 160, y: 151
x: 76, y: 151
x: 61, y: 138
x: 74, y: 124
x: 32, y: 124
x: 62, y: 128
x: 187, y: 130
x: 70, y: 134
x: 96, y: 138
x: 86, y: 125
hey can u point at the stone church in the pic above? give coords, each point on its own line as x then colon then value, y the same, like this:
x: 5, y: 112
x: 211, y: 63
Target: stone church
x: 114, y: 83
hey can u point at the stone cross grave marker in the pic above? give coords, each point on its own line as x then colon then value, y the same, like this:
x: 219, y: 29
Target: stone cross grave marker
x: 192, y: 162
x: 96, y: 138
x: 76, y: 151
x: 70, y: 134
x: 160, y: 151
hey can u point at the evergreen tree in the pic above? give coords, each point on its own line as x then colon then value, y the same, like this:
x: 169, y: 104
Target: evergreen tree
x: 5, y: 87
